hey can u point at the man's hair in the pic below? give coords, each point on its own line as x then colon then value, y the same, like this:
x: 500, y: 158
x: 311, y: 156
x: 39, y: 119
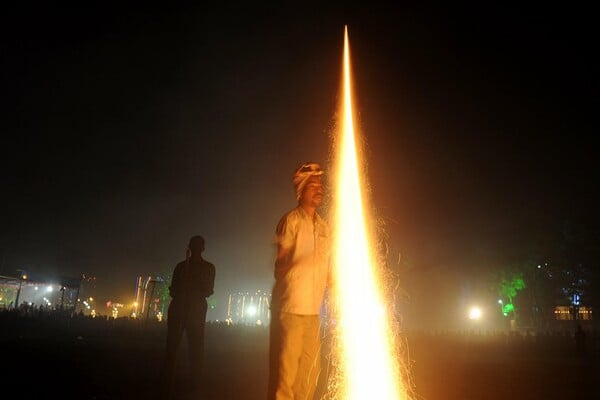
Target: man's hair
x: 196, y: 244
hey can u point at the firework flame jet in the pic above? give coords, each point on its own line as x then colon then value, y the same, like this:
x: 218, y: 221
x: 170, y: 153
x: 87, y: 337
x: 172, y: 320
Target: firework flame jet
x: 369, y: 368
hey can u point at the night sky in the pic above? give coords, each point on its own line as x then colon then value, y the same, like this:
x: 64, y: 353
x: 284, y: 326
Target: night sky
x: 128, y: 129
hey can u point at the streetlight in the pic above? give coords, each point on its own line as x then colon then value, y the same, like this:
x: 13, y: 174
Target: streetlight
x: 22, y: 277
x: 502, y: 307
x: 475, y: 313
x: 62, y: 297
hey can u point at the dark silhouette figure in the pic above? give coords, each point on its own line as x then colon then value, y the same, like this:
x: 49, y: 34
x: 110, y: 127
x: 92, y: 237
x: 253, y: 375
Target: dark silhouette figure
x: 192, y: 282
x: 579, y: 341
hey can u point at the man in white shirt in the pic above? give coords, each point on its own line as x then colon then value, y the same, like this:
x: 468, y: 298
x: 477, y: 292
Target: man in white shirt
x: 301, y: 278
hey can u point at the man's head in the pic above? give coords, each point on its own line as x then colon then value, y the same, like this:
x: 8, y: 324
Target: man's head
x: 308, y: 184
x: 196, y: 245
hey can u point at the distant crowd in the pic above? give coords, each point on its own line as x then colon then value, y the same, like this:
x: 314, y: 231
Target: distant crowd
x: 580, y: 340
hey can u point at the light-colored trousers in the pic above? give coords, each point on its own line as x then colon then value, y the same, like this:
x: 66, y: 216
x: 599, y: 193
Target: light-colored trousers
x: 299, y: 356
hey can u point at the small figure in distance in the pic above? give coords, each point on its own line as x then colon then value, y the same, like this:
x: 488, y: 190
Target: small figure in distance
x: 580, y: 341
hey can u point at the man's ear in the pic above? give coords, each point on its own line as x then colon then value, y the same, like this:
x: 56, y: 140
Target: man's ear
x: 188, y: 252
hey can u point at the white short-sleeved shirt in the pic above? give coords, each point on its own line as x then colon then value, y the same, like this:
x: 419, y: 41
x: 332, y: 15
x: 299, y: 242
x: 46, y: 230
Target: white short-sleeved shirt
x: 301, y: 278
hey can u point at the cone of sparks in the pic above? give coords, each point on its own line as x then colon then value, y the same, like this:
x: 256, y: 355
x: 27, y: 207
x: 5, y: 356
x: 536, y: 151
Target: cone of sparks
x: 367, y: 352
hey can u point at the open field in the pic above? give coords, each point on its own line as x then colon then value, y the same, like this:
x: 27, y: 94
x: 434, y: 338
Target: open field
x: 101, y: 359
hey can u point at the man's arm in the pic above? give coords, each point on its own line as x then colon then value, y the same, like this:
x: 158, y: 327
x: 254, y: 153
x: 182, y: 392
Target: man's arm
x: 174, y: 288
x: 211, y: 280
x: 286, y: 234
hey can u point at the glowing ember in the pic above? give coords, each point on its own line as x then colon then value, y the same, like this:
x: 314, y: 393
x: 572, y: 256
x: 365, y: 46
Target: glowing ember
x: 368, y: 365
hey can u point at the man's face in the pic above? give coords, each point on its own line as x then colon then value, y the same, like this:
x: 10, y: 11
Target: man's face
x: 312, y: 195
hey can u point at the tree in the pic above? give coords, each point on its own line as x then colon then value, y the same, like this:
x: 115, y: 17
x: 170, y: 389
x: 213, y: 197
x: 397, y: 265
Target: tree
x: 508, y: 283
x: 162, y: 291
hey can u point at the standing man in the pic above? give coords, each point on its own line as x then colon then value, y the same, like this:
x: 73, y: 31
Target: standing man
x: 301, y: 278
x: 193, y: 281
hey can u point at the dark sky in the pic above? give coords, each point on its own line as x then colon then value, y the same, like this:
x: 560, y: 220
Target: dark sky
x: 128, y: 129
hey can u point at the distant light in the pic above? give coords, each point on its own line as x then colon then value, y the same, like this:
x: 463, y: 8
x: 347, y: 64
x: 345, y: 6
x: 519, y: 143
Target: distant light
x: 474, y: 313
x: 539, y: 266
x: 49, y: 289
x: 251, y: 310
x: 500, y: 301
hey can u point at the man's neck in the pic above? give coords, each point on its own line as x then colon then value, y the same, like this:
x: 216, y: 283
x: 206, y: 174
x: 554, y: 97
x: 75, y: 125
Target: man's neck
x: 311, y: 211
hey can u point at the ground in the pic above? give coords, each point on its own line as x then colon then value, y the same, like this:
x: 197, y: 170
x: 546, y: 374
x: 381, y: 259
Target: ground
x: 104, y: 359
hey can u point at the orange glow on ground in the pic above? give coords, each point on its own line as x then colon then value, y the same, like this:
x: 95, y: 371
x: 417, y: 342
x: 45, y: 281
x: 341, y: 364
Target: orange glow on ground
x: 368, y: 364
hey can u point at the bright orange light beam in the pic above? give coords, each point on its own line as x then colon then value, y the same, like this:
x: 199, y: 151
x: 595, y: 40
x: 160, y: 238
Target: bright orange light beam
x: 370, y: 369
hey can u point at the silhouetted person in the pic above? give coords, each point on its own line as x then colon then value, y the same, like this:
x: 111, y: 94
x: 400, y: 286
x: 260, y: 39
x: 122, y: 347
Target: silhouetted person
x: 579, y: 341
x: 301, y: 279
x: 193, y: 281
